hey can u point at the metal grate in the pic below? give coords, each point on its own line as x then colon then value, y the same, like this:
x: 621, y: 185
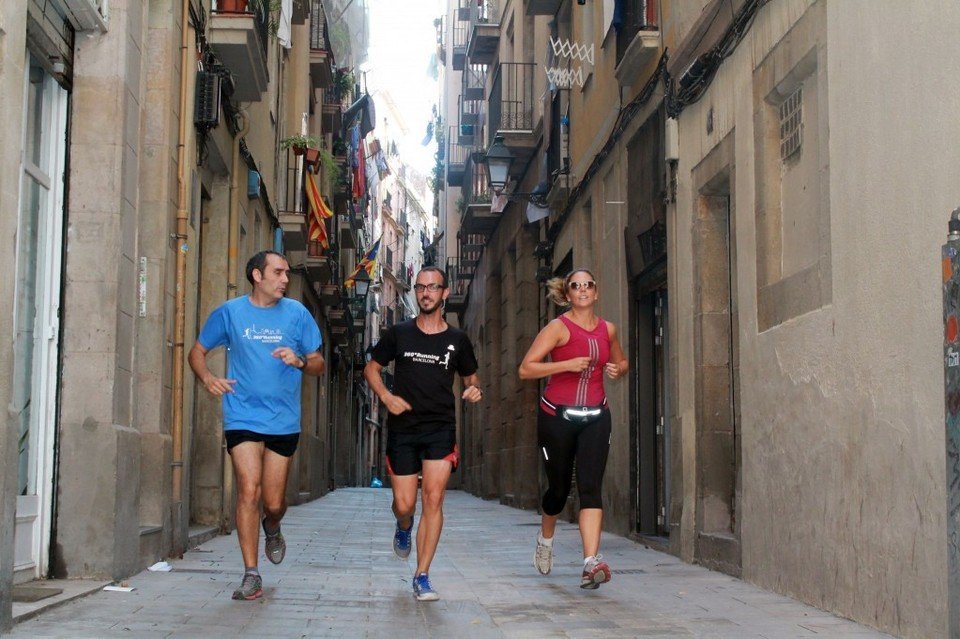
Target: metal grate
x: 791, y: 124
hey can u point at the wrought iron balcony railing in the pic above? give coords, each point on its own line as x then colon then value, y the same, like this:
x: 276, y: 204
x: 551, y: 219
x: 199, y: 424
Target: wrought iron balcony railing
x: 511, y: 98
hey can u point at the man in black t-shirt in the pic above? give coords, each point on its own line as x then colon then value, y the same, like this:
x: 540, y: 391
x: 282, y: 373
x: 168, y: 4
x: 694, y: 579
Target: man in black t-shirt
x: 422, y: 436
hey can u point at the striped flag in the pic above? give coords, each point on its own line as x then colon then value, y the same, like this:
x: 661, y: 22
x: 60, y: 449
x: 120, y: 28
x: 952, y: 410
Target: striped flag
x: 368, y: 264
x: 319, y: 211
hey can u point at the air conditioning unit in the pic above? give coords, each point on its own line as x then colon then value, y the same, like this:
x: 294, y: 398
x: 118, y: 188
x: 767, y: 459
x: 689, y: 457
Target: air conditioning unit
x: 206, y: 112
x: 86, y: 15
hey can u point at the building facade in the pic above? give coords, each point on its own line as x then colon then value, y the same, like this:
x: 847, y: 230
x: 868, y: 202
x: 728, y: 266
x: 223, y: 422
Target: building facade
x: 731, y: 173
x: 150, y: 155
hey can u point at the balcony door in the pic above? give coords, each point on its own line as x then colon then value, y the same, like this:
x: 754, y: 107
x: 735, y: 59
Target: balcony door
x: 36, y: 314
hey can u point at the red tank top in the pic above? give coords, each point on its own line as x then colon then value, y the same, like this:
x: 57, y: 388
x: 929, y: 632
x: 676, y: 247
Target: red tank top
x: 586, y: 387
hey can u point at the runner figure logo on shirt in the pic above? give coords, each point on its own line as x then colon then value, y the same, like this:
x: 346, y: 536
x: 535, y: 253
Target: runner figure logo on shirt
x: 264, y: 335
x: 446, y: 360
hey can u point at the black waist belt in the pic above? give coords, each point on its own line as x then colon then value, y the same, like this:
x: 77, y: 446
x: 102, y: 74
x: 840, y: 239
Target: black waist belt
x: 580, y: 414
x: 577, y: 414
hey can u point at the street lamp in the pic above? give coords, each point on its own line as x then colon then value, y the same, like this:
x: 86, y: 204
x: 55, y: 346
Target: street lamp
x: 498, y: 160
x: 361, y: 284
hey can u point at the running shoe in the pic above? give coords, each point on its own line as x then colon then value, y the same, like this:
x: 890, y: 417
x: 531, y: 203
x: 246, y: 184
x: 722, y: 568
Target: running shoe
x: 543, y: 557
x: 250, y: 588
x: 422, y: 589
x: 595, y: 572
x: 402, y: 540
x: 274, y: 545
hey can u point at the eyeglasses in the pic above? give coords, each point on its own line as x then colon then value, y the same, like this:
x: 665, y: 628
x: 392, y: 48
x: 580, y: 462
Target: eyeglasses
x: 588, y: 284
x: 433, y: 288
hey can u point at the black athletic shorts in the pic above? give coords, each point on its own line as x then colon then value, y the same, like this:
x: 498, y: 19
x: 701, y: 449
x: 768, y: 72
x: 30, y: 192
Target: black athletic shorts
x: 285, y: 445
x: 406, y: 451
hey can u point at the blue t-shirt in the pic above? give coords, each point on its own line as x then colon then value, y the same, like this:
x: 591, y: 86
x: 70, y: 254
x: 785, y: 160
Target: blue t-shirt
x: 266, y: 397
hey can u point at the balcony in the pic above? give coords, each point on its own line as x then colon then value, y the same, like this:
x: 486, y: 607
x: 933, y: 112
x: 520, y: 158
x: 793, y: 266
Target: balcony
x: 477, y: 216
x: 638, y: 40
x: 458, y: 279
x: 461, y: 32
x: 301, y: 11
x: 474, y: 82
x: 293, y: 227
x: 292, y: 205
x: 542, y: 7
x: 348, y: 236
x: 329, y: 294
x: 441, y: 23
x: 332, y: 110
x: 318, y: 265
x: 321, y: 55
x: 484, y: 32
x: 512, y: 111
x: 457, y: 155
x: 240, y: 40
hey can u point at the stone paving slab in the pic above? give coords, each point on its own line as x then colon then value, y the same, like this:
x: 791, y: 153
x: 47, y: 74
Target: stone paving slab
x: 341, y: 579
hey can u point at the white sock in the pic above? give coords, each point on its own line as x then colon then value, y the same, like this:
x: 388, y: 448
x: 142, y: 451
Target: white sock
x: 546, y: 542
x: 587, y: 560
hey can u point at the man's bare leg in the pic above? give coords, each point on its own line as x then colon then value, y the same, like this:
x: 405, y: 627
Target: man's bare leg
x: 247, y: 458
x: 404, y: 497
x: 276, y: 469
x: 436, y: 474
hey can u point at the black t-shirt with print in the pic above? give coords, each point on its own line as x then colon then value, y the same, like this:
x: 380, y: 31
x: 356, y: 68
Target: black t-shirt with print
x: 423, y: 373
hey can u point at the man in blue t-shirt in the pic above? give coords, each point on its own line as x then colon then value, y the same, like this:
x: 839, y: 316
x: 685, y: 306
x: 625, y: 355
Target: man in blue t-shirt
x: 271, y: 343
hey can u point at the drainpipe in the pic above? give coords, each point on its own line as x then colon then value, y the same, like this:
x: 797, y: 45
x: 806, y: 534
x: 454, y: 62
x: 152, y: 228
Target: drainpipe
x: 950, y: 256
x: 176, y: 427
x: 233, y: 249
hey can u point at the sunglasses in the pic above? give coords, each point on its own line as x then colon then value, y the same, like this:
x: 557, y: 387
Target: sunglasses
x: 588, y: 284
x: 433, y: 287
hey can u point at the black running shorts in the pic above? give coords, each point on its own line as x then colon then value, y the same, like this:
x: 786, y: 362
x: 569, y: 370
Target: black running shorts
x: 406, y: 451
x: 285, y: 445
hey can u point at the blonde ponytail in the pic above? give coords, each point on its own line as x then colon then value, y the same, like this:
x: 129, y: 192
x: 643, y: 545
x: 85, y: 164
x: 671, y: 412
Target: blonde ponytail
x: 557, y: 291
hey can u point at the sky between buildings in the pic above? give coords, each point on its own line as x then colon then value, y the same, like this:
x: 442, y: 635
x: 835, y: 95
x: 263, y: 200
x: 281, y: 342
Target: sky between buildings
x: 402, y: 46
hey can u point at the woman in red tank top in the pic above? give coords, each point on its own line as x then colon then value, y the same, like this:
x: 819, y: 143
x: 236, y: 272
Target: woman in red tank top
x: 573, y: 423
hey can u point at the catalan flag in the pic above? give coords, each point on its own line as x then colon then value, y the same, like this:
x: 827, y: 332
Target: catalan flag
x: 319, y: 211
x: 368, y: 263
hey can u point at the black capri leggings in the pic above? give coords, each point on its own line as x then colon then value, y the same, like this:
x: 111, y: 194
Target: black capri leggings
x: 561, y: 442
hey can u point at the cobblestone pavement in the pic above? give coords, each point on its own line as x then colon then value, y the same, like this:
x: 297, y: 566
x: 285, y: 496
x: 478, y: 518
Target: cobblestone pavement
x: 341, y: 579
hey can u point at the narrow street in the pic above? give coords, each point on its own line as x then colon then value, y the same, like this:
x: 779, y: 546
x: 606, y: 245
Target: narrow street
x: 341, y: 579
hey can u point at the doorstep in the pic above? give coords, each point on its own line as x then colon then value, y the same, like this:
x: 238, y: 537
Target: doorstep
x: 70, y: 589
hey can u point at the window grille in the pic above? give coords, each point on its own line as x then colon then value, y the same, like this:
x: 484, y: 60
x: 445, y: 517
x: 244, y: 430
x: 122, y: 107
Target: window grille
x: 791, y: 124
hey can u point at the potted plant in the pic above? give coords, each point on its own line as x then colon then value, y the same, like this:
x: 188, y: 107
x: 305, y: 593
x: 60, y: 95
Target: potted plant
x: 231, y: 6
x: 299, y: 143
x: 339, y: 147
x: 267, y: 10
x: 343, y: 82
x: 330, y: 165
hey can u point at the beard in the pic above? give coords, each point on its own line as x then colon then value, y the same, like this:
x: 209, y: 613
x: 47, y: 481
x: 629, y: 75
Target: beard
x: 426, y: 307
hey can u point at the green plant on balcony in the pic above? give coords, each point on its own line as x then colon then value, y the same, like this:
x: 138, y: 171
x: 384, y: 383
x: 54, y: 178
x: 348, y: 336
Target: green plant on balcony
x: 461, y: 205
x: 269, y: 10
x: 343, y: 82
x: 339, y: 147
x: 481, y: 198
x: 300, y: 143
x: 330, y: 166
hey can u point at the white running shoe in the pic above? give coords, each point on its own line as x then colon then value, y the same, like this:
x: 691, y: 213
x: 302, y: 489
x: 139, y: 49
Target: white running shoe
x: 543, y: 557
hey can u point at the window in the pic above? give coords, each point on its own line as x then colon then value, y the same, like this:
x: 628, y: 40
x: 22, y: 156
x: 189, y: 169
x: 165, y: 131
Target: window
x: 791, y: 124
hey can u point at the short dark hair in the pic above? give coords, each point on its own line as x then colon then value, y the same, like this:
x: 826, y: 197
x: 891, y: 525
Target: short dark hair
x: 436, y: 269
x: 259, y: 262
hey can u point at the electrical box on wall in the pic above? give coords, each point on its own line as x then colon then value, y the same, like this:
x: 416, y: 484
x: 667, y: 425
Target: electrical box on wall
x: 206, y: 112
